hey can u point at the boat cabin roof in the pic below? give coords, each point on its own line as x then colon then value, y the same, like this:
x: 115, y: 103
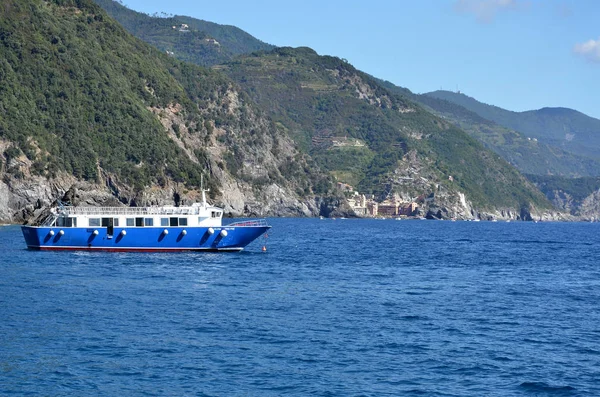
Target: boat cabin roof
x: 195, y: 209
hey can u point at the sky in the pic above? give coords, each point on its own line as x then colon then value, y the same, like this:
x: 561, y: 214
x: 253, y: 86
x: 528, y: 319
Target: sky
x: 516, y: 54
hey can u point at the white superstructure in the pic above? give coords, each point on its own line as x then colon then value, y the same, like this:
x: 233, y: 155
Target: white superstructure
x: 197, y: 215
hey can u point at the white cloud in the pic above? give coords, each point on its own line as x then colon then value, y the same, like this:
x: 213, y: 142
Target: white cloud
x: 590, y: 50
x: 486, y: 10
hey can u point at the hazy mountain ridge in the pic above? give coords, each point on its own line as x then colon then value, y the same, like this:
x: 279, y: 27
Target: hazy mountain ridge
x: 530, y: 156
x: 566, y: 128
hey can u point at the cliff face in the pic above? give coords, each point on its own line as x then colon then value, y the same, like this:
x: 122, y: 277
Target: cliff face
x: 415, y: 180
x: 587, y: 209
x: 24, y: 199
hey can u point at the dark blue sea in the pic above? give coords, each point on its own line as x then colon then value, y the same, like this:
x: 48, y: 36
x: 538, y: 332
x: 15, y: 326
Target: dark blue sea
x: 332, y: 308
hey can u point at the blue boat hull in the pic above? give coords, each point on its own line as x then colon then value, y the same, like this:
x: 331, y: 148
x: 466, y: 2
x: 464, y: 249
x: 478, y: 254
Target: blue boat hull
x: 148, y: 239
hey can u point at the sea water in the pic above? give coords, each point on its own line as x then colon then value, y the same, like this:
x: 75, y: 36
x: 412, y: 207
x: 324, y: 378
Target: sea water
x: 332, y: 308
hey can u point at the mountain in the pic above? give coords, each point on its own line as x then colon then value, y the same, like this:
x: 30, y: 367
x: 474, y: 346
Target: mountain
x: 530, y: 156
x: 84, y: 104
x: 188, y: 39
x: 565, y: 128
x: 379, y: 141
x: 92, y: 114
x: 323, y: 125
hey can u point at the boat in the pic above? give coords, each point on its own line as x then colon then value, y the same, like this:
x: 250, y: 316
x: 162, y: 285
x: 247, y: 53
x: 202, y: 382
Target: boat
x: 149, y: 229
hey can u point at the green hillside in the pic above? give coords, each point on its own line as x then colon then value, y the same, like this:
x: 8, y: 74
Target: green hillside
x: 564, y: 128
x: 323, y: 101
x: 201, y: 42
x: 80, y: 95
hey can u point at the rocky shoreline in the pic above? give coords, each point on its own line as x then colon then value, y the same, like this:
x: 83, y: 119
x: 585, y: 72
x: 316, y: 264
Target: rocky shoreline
x: 23, y: 200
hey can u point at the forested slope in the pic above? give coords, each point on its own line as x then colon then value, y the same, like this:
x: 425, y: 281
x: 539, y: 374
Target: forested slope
x: 81, y: 97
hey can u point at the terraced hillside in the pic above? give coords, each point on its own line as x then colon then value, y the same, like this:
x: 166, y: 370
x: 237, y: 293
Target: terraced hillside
x: 323, y: 101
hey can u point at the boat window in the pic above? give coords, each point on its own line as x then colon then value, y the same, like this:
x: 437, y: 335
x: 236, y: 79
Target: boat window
x: 139, y: 221
x: 66, y: 222
x: 183, y: 222
x: 173, y: 222
x: 164, y: 221
x: 215, y: 214
x: 116, y: 222
x: 105, y: 222
x: 148, y: 222
x: 94, y: 221
x: 129, y: 222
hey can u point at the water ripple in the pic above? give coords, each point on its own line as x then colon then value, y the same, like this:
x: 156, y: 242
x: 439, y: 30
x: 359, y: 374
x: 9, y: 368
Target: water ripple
x: 333, y: 308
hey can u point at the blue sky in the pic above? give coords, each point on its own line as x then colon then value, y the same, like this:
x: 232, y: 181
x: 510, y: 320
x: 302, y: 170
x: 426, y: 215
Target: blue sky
x: 516, y: 54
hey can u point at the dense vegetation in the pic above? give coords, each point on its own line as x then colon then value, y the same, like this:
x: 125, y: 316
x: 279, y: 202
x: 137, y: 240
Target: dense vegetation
x: 76, y: 94
x: 560, y: 127
x: 73, y: 94
x: 203, y: 43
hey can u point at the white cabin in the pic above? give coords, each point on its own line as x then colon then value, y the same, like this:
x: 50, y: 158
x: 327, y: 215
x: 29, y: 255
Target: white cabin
x: 196, y: 215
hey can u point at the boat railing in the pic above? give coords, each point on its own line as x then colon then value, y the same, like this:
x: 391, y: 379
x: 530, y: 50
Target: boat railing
x: 48, y: 220
x: 101, y: 211
x: 249, y: 223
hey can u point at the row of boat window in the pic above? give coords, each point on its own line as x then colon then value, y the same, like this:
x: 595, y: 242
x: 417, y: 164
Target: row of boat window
x: 130, y: 222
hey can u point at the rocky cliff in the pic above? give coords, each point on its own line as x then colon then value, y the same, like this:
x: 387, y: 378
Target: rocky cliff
x: 89, y: 110
x: 414, y: 180
x: 586, y: 209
